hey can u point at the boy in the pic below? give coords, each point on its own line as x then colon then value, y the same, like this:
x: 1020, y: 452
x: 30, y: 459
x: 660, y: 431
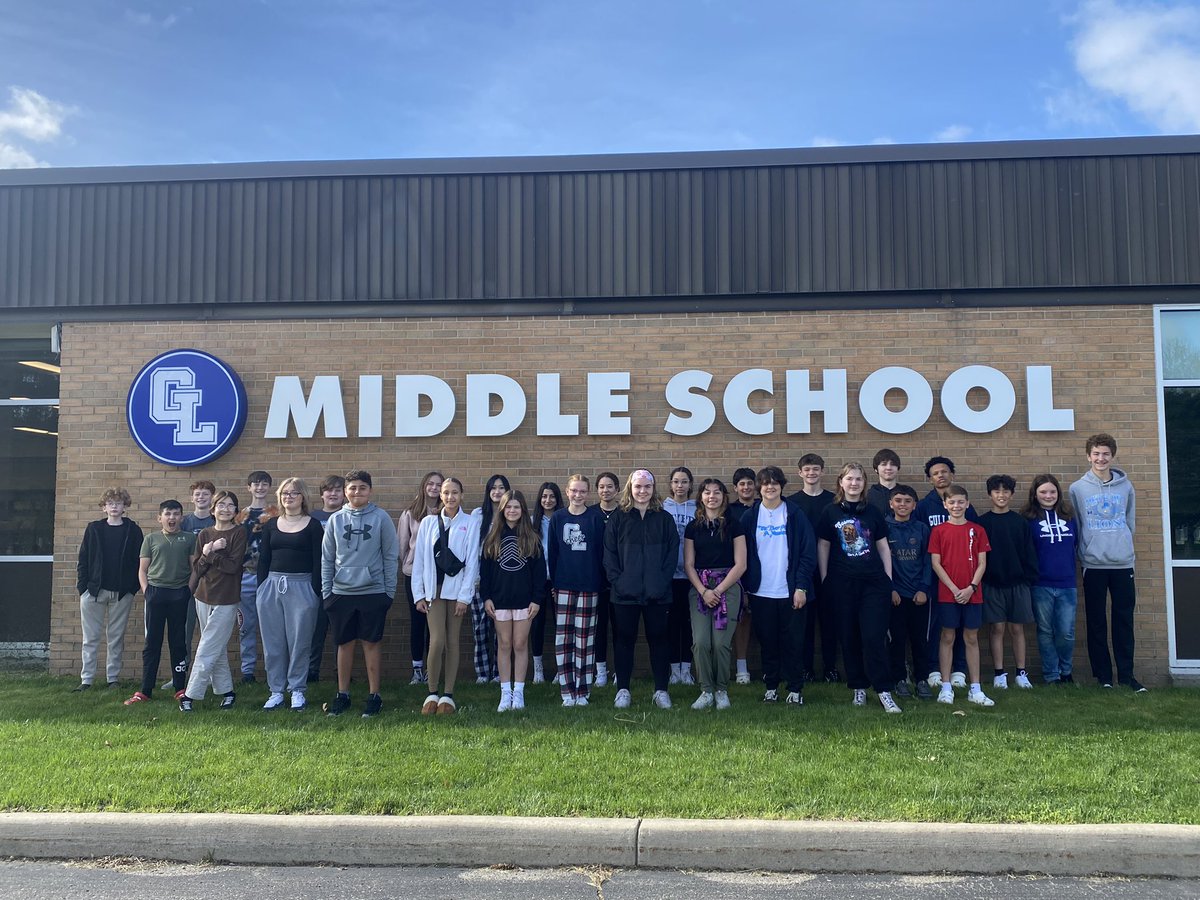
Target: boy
x: 107, y: 579
x: 360, y: 558
x: 958, y: 554
x: 1104, y: 506
x: 252, y: 519
x: 745, y: 492
x: 939, y: 471
x: 812, y: 500
x: 333, y: 497
x: 886, y: 464
x: 164, y: 568
x: 912, y: 585
x: 575, y: 557
x: 1012, y: 569
x: 781, y: 554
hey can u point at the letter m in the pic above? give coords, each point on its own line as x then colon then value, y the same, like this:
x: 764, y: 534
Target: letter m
x: 288, y: 404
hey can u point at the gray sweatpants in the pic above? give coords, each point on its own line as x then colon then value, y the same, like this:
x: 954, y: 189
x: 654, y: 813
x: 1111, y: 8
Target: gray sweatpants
x: 94, y: 610
x: 287, y: 614
x: 210, y: 662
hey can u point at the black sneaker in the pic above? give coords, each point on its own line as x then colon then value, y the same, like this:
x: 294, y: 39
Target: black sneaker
x: 1066, y: 679
x: 249, y: 679
x: 923, y: 691
x: 902, y: 689
x: 374, y: 706
x: 1138, y: 687
x: 832, y: 677
x: 111, y: 684
x: 228, y: 701
x: 185, y: 704
x: 83, y: 687
x: 338, y: 705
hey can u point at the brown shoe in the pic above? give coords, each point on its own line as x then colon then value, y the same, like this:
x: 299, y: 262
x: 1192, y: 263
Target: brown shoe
x: 430, y: 706
x: 446, y: 707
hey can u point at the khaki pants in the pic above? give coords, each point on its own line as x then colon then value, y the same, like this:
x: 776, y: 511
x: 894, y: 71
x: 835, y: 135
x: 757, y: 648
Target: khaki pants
x: 445, y: 630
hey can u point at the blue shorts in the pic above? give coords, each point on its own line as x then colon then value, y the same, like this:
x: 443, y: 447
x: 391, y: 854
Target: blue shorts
x: 960, y: 615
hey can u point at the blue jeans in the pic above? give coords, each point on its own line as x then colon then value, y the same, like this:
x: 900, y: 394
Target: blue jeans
x: 1054, y: 610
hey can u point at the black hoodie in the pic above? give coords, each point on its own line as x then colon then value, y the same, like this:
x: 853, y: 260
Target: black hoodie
x: 640, y: 552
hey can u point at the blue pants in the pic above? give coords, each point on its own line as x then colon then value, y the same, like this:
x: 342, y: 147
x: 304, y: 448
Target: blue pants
x: 1054, y: 610
x: 248, y: 633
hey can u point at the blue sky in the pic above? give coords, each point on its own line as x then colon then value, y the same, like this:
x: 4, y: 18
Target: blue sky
x: 95, y: 82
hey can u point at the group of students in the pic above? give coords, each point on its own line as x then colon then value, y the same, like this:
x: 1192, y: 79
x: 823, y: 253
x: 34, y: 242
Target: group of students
x: 897, y: 584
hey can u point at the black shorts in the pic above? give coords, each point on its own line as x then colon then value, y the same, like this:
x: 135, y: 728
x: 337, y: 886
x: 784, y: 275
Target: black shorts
x: 358, y: 617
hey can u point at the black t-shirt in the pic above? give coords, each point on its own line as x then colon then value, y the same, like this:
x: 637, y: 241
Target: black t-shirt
x: 112, y: 539
x: 813, y: 505
x: 852, y: 531
x: 712, y: 550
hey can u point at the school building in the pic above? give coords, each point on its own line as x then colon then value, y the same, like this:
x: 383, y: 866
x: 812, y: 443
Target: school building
x: 995, y: 303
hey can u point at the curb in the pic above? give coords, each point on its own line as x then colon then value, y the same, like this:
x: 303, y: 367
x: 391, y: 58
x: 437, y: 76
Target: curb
x: 1156, y: 851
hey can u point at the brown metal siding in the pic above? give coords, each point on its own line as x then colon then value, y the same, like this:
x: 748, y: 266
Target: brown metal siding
x: 753, y: 231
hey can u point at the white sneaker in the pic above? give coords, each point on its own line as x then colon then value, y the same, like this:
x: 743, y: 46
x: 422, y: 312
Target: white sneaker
x: 794, y: 699
x: 539, y: 672
x: 505, y: 702
x: 518, y: 700
x: 568, y: 702
x: 743, y: 678
x: 888, y: 703
x: 704, y: 701
x: 1023, y: 681
x: 662, y: 699
x: 979, y: 698
x: 934, y: 680
x: 298, y: 700
x: 481, y: 679
x: 860, y: 697
x: 722, y: 698
x: 581, y: 701
x: 771, y: 696
x: 623, y: 699
x: 418, y: 677
x: 274, y: 701
x: 958, y: 679
x: 685, y: 675
x: 674, y: 679
x: 601, y: 675
x: 1000, y: 682
x: 946, y: 694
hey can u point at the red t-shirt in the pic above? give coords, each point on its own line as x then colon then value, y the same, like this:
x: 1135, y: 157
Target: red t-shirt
x: 959, y: 547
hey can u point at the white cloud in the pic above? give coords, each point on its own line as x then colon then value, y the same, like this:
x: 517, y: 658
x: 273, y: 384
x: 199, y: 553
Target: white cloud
x: 822, y: 140
x: 31, y: 116
x: 952, y: 134
x: 1147, y: 55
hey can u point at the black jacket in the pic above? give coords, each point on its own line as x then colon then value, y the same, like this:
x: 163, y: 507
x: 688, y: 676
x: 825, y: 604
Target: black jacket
x: 640, y: 553
x: 91, y: 558
x: 802, y: 549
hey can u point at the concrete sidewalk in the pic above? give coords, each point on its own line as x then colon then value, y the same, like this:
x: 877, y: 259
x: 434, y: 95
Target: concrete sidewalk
x: 735, y: 845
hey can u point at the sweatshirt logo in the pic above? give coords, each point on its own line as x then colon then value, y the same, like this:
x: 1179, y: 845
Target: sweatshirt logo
x: 1105, y: 512
x: 1055, y: 530
x: 510, y: 555
x: 349, y: 531
x: 855, y: 540
x: 574, y: 537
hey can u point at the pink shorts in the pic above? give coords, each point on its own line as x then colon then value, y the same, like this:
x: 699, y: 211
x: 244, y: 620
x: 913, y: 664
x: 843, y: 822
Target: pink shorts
x: 512, y: 615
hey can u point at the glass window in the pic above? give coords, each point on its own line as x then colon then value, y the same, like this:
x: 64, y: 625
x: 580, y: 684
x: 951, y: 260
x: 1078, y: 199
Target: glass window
x: 1181, y: 407
x: 28, y: 458
x: 28, y: 369
x: 25, y: 602
x: 1180, y: 334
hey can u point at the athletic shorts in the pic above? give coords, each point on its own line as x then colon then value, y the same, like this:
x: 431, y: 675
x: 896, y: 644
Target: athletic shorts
x: 960, y: 615
x: 1007, y: 604
x: 512, y: 615
x: 358, y: 617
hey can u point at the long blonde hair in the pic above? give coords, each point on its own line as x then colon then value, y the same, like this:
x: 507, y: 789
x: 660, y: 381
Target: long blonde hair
x: 840, y: 495
x: 529, y: 542
x: 297, y: 484
x: 625, y: 501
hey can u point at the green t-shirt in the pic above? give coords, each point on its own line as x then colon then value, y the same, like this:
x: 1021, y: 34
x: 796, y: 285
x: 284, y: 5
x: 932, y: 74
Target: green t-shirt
x: 170, y: 558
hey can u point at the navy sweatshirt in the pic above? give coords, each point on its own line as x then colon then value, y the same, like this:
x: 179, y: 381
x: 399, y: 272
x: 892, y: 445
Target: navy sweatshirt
x: 802, y: 550
x: 575, y: 548
x: 912, y: 567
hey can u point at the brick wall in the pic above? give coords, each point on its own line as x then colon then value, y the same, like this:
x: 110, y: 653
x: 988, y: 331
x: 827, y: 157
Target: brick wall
x: 1106, y: 374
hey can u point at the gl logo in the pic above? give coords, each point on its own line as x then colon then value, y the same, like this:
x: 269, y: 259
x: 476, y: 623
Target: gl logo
x: 186, y: 408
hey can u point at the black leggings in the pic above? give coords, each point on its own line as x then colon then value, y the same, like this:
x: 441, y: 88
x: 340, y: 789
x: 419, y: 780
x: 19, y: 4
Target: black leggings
x: 625, y: 618
x: 166, y: 608
x: 679, y: 623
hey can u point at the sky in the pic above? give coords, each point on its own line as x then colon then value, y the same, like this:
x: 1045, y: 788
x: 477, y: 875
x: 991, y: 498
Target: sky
x: 151, y: 82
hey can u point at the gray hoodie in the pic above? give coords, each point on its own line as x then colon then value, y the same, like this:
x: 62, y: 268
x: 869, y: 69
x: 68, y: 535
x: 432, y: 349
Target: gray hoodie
x: 360, y: 553
x: 1105, y: 516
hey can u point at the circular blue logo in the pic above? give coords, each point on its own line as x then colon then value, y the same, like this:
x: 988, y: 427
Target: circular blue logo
x: 186, y: 408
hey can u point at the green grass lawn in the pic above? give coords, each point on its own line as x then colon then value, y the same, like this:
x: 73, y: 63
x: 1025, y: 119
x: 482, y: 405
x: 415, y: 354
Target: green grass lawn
x: 1062, y: 755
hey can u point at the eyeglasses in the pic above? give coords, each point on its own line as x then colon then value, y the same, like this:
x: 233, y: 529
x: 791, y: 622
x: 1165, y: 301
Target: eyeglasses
x: 290, y: 494
x: 225, y: 506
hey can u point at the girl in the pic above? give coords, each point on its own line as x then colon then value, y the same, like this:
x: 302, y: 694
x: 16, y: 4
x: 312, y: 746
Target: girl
x: 641, y: 545
x: 714, y: 557
x: 289, y: 593
x: 445, y: 565
x: 855, y: 563
x: 423, y: 504
x: 607, y: 488
x: 512, y: 582
x: 680, y: 507
x: 549, y: 501
x: 481, y: 623
x: 1052, y: 521
x: 217, y: 573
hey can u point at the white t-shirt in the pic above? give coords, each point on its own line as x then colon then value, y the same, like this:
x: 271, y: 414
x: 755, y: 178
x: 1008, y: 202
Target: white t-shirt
x: 771, y: 537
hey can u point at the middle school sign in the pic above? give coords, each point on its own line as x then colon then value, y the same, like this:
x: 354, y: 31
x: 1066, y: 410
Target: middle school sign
x: 496, y: 404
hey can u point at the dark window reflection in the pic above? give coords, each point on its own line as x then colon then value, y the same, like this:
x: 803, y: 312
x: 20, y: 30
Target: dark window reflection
x: 25, y: 602
x: 28, y: 455
x: 28, y: 370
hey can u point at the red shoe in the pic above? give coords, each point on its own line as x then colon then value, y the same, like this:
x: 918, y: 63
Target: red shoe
x: 138, y: 697
x: 179, y: 695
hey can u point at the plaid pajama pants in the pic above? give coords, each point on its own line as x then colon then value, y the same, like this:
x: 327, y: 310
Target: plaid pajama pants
x: 484, y: 630
x: 575, y: 641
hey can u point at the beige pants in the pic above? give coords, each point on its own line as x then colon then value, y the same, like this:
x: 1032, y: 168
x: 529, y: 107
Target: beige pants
x: 445, y: 630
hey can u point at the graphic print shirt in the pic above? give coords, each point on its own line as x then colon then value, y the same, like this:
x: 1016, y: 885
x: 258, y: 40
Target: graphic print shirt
x: 852, y: 530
